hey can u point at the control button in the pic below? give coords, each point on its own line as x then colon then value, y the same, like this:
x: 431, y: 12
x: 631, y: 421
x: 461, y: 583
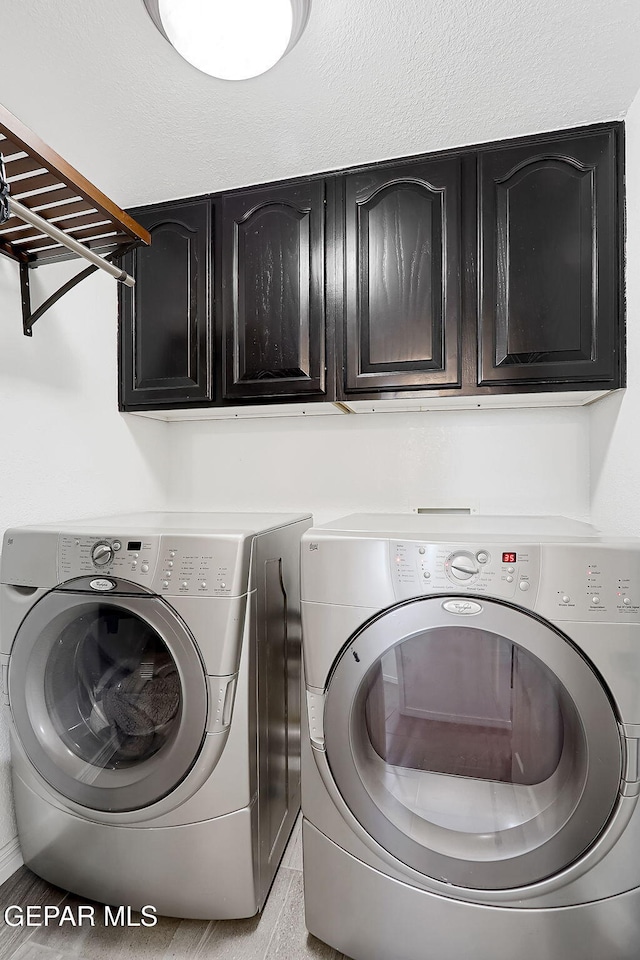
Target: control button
x: 223, y: 586
x: 627, y: 602
x: 524, y: 584
x: 511, y: 569
x: 426, y: 575
x: 509, y: 579
x: 172, y: 553
x: 566, y: 599
x: 145, y: 568
x: 168, y: 573
x: 165, y: 583
x: 116, y: 545
x: 136, y: 555
x: 77, y: 542
x: 169, y: 563
x: 595, y: 601
x: 184, y: 583
x: 203, y: 584
x: 482, y: 557
x: 421, y: 550
x: 134, y: 564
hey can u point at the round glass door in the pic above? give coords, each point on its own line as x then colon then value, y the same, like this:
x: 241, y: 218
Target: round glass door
x: 481, y: 750
x: 108, y: 697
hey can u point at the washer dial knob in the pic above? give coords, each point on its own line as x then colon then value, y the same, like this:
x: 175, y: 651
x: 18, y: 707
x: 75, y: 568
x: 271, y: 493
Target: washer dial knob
x: 102, y: 553
x: 462, y: 567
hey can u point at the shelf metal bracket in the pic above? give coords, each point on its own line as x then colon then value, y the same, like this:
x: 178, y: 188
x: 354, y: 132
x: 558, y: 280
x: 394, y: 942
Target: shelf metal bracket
x: 12, y: 208
x: 29, y: 318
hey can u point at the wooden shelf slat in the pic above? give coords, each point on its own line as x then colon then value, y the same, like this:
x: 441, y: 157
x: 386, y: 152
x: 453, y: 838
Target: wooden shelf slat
x: 57, y: 211
x: 18, y: 237
x: 27, y: 185
x: 65, y: 216
x: 41, y: 179
x: 16, y: 168
x: 8, y: 148
x: 100, y: 230
x: 53, y: 255
x: 12, y: 224
x: 45, y: 197
x: 19, y: 134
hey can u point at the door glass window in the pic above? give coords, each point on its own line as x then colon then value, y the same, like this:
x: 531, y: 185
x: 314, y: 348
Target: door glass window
x: 464, y: 730
x: 112, y: 689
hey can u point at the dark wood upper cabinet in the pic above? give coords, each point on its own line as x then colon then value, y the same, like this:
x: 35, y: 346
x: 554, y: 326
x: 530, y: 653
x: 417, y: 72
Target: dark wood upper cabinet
x: 165, y: 344
x: 273, y: 292
x: 484, y: 270
x: 402, y: 277
x: 549, y: 235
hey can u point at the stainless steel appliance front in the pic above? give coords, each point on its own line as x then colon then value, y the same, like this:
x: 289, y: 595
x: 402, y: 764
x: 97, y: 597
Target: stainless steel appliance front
x: 471, y: 752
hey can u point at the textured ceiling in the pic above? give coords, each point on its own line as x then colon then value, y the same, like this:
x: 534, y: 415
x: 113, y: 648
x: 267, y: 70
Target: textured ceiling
x: 370, y: 79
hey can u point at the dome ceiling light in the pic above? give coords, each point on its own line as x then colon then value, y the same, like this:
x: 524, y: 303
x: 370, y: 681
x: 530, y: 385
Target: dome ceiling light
x: 231, y: 39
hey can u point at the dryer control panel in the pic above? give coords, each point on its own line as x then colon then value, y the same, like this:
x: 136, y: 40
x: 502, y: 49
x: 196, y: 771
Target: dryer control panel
x: 599, y: 583
x: 508, y: 571
x: 173, y: 565
x: 568, y: 581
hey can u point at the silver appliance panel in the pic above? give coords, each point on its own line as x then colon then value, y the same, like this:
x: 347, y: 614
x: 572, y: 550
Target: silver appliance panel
x: 599, y: 583
x: 573, y: 582
x: 169, y: 565
x: 509, y: 571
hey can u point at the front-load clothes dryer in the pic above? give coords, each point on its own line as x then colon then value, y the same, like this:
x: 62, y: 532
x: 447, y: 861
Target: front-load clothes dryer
x: 151, y: 665
x: 471, y: 739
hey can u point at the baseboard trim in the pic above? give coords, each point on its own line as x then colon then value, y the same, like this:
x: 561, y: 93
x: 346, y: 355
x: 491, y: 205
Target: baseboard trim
x: 10, y: 859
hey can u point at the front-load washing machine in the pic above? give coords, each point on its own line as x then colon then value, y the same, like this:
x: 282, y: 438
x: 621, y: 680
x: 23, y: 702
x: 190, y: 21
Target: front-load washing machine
x: 471, y: 753
x: 151, y: 666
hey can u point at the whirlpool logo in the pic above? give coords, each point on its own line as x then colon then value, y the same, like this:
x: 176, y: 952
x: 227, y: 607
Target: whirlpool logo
x: 463, y: 608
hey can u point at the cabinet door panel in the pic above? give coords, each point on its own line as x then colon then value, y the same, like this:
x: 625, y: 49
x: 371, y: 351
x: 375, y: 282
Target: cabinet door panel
x: 549, y: 306
x: 273, y: 299
x: 165, y: 318
x: 402, y: 266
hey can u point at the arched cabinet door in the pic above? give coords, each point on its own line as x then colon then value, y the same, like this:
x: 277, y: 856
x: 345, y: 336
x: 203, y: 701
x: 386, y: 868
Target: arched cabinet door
x: 273, y: 292
x: 165, y: 321
x: 549, y: 251
x: 402, y: 277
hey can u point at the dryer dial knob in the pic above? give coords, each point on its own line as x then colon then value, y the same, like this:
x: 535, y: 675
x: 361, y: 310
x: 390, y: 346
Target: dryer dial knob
x: 462, y: 567
x: 102, y: 553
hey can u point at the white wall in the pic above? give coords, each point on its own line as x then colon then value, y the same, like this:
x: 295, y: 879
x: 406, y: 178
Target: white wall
x: 506, y: 461
x: 65, y: 451
x: 615, y: 447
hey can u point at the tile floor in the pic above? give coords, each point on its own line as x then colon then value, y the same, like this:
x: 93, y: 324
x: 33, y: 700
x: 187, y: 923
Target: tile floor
x: 277, y: 934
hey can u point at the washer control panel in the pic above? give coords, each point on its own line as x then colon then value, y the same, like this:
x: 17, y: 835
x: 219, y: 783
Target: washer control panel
x: 509, y: 571
x: 171, y: 565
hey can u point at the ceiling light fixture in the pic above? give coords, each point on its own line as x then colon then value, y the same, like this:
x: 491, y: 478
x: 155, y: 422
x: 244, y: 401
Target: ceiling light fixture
x: 231, y: 39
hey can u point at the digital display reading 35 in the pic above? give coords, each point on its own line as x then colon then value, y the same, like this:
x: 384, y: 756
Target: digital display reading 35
x: 509, y: 557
